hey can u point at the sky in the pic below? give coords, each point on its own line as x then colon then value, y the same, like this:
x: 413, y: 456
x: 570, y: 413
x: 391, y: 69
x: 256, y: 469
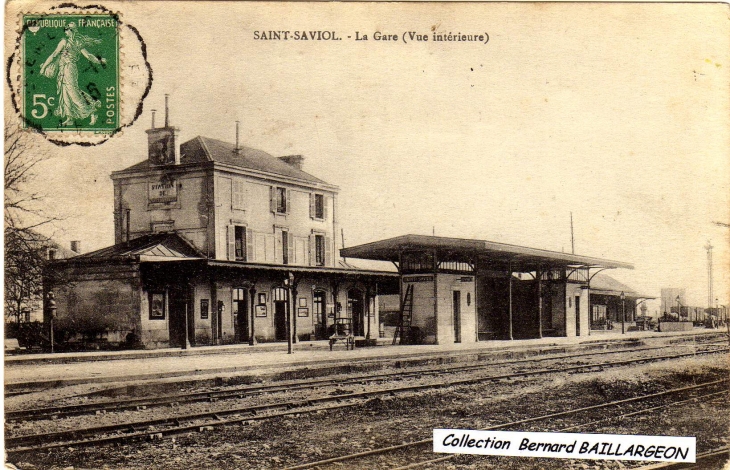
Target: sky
x: 616, y: 113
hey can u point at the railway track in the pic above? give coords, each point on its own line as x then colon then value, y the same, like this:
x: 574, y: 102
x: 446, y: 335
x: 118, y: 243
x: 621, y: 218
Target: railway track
x: 248, y: 391
x: 402, y: 449
x: 157, y: 428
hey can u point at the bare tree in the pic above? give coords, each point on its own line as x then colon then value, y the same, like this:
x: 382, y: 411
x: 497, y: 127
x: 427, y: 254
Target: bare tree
x: 25, y: 247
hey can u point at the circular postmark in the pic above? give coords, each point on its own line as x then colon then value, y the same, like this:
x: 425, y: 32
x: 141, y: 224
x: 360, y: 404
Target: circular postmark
x: 78, y: 74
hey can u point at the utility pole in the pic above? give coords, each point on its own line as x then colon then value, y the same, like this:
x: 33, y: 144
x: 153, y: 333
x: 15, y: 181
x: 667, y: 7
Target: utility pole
x: 572, y: 240
x: 709, y: 248
x: 342, y: 233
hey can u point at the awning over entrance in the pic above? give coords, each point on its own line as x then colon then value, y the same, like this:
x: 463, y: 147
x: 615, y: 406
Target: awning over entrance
x: 522, y: 258
x: 153, y: 247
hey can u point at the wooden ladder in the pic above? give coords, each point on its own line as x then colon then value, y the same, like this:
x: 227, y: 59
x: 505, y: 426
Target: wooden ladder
x: 406, y: 311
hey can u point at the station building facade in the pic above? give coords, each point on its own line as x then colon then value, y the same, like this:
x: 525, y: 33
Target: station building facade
x: 217, y: 243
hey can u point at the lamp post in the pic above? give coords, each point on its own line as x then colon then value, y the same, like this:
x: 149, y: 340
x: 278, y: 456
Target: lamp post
x: 51, y: 314
x: 287, y: 283
x: 623, y: 313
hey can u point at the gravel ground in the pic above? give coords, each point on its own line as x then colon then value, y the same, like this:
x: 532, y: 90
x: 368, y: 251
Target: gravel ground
x: 380, y: 422
x: 55, y: 424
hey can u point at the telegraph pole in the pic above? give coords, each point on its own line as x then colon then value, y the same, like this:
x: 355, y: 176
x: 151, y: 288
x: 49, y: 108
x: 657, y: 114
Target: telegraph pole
x: 572, y: 240
x: 709, y: 248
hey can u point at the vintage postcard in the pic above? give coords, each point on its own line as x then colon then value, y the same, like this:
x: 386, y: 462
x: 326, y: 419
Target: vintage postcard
x: 366, y: 235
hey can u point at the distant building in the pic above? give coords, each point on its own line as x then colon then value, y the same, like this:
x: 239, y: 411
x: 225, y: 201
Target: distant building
x: 30, y: 307
x: 608, y: 309
x: 669, y: 300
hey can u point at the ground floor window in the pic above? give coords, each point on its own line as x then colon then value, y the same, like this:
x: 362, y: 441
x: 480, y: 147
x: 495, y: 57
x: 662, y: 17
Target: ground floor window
x: 157, y: 306
x: 598, y: 317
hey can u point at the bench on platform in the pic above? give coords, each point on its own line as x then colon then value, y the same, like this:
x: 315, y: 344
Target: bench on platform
x: 12, y: 346
x: 341, y: 330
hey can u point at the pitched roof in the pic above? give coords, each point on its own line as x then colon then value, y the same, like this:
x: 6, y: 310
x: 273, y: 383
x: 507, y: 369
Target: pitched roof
x: 520, y: 256
x: 604, y: 284
x: 157, y: 246
x: 204, y: 149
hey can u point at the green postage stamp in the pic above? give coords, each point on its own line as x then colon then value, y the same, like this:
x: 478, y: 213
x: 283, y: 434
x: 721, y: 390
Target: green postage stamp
x: 77, y: 74
x: 71, y: 72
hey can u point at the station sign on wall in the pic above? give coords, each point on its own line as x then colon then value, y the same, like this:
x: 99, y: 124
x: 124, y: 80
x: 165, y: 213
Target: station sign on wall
x: 162, y: 190
x: 418, y: 279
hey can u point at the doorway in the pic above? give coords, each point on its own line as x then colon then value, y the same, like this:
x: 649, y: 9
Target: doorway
x: 355, y: 306
x: 577, y: 315
x: 178, y: 306
x: 457, y: 316
x: 280, y: 299
x: 319, y: 311
x: 240, y: 315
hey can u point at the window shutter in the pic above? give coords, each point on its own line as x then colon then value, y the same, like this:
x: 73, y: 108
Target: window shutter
x: 288, y: 201
x: 290, y: 248
x: 277, y: 246
x: 327, y: 202
x: 312, y: 208
x: 312, y: 247
x: 328, y: 251
x: 249, y: 246
x: 231, y: 242
x: 272, y: 199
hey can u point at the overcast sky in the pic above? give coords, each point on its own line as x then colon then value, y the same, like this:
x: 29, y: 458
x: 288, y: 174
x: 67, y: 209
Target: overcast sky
x: 618, y: 113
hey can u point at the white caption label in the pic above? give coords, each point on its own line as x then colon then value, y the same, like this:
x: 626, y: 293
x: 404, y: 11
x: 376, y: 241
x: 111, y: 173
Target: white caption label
x: 565, y: 445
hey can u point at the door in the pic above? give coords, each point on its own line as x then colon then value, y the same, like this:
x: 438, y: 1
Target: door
x: 320, y: 314
x: 457, y: 316
x: 178, y: 315
x: 577, y: 315
x: 355, y: 303
x: 280, y: 321
x: 240, y: 315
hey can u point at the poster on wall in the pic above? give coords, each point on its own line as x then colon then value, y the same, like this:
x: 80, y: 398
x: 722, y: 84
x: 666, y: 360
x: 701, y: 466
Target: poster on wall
x: 261, y: 310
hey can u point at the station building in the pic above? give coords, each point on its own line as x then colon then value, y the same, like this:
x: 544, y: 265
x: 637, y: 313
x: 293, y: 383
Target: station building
x: 219, y: 243
x: 216, y: 243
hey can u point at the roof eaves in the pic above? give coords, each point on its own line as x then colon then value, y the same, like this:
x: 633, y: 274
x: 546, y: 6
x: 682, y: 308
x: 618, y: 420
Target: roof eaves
x: 275, y: 176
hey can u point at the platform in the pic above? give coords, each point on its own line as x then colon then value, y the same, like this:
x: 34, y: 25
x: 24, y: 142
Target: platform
x: 55, y: 370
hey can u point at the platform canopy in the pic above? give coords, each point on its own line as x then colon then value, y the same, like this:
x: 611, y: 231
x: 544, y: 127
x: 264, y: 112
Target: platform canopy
x: 521, y: 258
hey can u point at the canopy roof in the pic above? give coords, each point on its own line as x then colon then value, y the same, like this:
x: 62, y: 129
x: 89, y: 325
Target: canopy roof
x: 521, y: 257
x: 156, y: 246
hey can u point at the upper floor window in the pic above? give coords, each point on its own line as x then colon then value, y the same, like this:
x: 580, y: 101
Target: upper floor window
x: 240, y: 237
x: 238, y: 195
x: 281, y: 200
x: 239, y: 243
x: 317, y: 206
x: 319, y: 250
x: 285, y: 247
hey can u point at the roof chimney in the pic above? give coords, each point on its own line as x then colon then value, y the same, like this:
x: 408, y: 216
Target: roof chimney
x: 238, y: 145
x: 76, y: 246
x: 167, y: 111
x: 163, y: 144
x: 293, y: 160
